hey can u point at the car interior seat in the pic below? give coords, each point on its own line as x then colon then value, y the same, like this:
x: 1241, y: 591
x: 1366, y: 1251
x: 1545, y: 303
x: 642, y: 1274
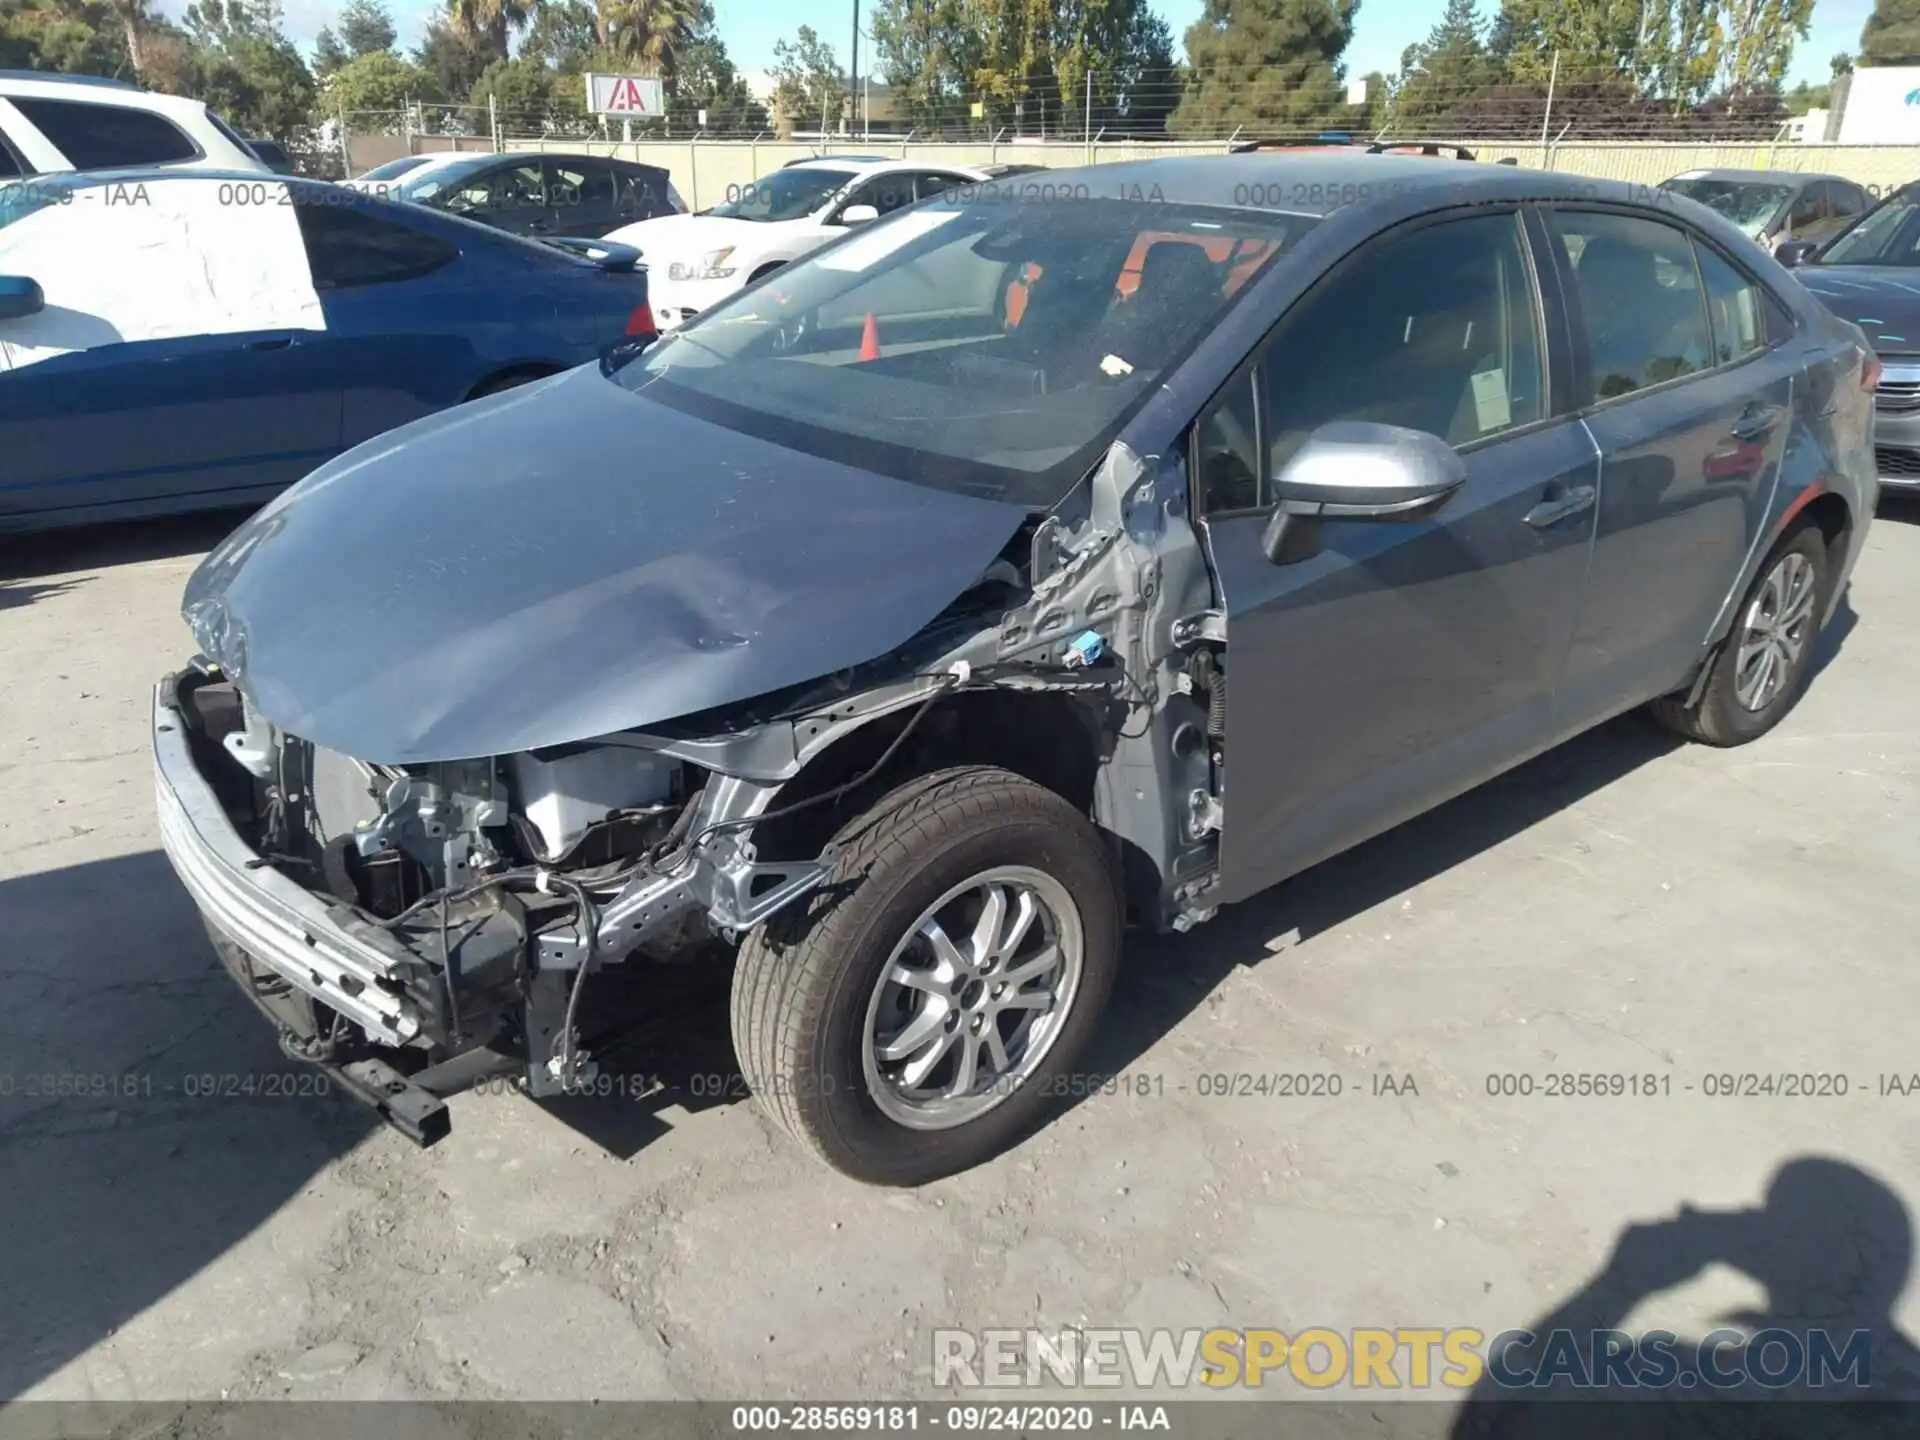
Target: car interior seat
x: 1639, y: 332
x: 1178, y: 282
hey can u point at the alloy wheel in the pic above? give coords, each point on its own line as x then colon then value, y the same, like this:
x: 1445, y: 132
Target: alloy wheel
x: 1774, y: 634
x: 971, y: 1000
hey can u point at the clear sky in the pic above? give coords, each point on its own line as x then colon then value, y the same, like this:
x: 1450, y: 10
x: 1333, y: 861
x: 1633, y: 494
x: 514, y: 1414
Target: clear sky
x: 1383, y: 30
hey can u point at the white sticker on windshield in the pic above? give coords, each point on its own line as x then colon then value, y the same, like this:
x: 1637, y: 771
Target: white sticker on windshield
x: 859, y: 253
x: 1492, y: 410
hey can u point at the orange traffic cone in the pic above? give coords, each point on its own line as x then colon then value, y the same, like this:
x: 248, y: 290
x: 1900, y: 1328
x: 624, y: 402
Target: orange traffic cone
x: 870, y: 340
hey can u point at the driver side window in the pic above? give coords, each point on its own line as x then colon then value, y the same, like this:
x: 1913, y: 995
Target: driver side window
x: 1434, y: 328
x: 886, y: 193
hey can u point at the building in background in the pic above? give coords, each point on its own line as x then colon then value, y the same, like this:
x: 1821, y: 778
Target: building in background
x: 1880, y: 106
x: 1808, y: 129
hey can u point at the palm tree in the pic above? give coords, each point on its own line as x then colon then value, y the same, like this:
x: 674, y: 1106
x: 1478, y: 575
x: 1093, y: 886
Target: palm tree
x: 134, y: 20
x: 644, y: 32
x: 489, y: 21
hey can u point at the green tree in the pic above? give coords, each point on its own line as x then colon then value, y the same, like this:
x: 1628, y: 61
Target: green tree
x: 1677, y: 50
x: 328, y: 53
x: 529, y: 98
x: 1028, y: 63
x: 929, y: 52
x: 1892, y: 34
x: 74, y: 37
x: 1437, y: 75
x: 808, y: 83
x: 700, y: 76
x: 489, y: 25
x: 1804, y: 97
x: 381, y: 81
x: 365, y: 27
x: 455, y: 58
x: 1756, y: 46
x: 645, y: 32
x: 1123, y: 49
x: 564, y: 34
x: 1271, y: 66
x: 247, y: 70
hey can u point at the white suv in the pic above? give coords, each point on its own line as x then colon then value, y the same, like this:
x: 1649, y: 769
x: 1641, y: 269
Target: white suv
x: 695, y: 261
x: 51, y: 123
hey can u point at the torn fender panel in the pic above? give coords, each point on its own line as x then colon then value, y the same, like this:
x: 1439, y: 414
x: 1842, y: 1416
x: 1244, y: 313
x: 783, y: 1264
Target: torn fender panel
x: 563, y: 561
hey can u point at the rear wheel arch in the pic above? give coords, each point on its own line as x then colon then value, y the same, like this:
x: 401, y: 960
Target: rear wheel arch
x: 1835, y: 519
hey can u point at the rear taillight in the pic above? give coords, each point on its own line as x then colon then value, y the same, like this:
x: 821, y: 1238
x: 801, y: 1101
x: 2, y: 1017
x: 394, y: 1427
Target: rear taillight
x: 1870, y: 373
x: 640, y: 322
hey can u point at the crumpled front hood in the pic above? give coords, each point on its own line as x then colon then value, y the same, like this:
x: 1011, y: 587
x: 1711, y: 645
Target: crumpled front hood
x: 1883, y: 300
x: 566, y: 560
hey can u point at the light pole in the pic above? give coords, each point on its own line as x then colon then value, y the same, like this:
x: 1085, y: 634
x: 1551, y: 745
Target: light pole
x: 853, y: 68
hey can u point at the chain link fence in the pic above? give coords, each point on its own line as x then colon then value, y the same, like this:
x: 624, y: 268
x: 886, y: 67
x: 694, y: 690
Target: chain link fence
x: 1597, y: 125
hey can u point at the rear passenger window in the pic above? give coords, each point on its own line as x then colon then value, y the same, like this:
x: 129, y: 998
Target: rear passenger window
x: 1737, y: 307
x: 102, y: 137
x: 1638, y: 293
x: 1433, y: 329
x: 348, y: 247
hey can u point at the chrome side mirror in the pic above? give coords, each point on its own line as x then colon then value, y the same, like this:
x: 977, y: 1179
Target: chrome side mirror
x: 1357, y: 470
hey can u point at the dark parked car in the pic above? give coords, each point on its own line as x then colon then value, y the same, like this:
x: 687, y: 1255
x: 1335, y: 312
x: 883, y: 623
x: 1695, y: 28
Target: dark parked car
x: 197, y: 340
x: 885, y: 633
x: 1868, y: 274
x: 395, y: 168
x: 584, y: 195
x: 273, y: 155
x: 1775, y: 205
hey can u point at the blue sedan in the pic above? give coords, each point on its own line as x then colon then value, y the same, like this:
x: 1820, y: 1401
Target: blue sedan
x: 173, y: 342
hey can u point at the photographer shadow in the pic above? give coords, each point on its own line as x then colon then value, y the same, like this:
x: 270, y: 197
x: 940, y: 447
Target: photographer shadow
x: 1831, y: 1245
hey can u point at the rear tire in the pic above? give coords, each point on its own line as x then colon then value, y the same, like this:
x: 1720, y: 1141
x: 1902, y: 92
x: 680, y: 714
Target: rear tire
x: 1761, y: 670
x: 839, y: 1002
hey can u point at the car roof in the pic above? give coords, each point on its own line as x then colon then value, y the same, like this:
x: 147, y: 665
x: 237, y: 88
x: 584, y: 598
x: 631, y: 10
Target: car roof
x: 1318, y: 182
x: 34, y: 86
x: 133, y: 174
x: 47, y: 77
x: 839, y: 160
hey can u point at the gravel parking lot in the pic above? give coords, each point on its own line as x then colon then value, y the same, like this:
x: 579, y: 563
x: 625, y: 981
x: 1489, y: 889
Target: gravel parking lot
x: 1623, y: 906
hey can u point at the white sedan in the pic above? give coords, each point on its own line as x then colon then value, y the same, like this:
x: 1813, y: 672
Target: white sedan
x: 695, y: 261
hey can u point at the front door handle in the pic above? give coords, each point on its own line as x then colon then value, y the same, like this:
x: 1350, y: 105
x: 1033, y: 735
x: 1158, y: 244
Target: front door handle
x: 1557, y: 507
x: 538, y: 225
x: 1756, y: 421
x: 270, y: 342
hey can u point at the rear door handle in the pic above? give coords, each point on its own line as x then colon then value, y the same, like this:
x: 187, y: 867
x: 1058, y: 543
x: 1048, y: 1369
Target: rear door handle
x: 1756, y: 421
x: 270, y: 342
x: 1556, y: 508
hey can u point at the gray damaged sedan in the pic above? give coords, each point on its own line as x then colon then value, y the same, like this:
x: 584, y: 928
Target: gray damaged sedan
x: 1038, y: 561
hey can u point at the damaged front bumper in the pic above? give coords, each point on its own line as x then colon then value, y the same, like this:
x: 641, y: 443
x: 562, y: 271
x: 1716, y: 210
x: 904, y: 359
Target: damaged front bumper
x: 326, y: 950
x: 406, y: 984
